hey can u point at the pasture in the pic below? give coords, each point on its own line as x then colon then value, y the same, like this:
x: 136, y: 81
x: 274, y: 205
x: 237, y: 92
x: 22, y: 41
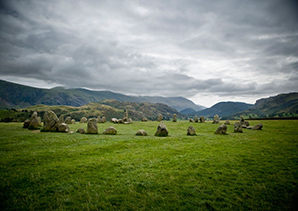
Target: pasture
x: 253, y: 170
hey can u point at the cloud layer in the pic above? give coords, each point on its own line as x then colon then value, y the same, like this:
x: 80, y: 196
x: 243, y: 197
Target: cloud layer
x: 207, y: 51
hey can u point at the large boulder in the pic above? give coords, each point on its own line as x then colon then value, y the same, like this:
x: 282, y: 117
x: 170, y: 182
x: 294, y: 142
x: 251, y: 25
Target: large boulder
x: 222, y: 130
x: 68, y: 120
x: 63, y: 127
x: 83, y: 120
x: 92, y: 126
x: 202, y: 119
x: 237, y: 127
x: 50, y: 121
x: 34, y: 121
x: 141, y: 133
x: 191, y: 131
x: 110, y: 131
x: 174, y: 117
x: 258, y: 127
x: 160, y: 117
x: 26, y: 123
x: 161, y: 130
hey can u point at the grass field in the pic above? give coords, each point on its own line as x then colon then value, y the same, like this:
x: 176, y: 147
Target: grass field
x: 255, y: 170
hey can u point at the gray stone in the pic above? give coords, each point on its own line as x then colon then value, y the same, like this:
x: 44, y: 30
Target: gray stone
x: 202, y: 119
x: 160, y: 117
x: 83, y: 120
x: 34, y: 121
x: 161, y: 130
x: 258, y: 127
x: 174, y: 117
x: 241, y: 120
x: 190, y: 120
x: 114, y: 120
x: 191, y: 131
x: 50, y: 121
x: 130, y: 121
x: 227, y: 122
x: 222, y: 130
x: 144, y: 119
x: 73, y: 121
x: 63, y: 127
x: 103, y: 119
x: 237, y: 127
x: 26, y: 123
x: 81, y: 131
x: 196, y: 119
x: 68, y: 120
x: 92, y: 126
x: 110, y: 131
x: 215, y: 119
x: 141, y: 133
x: 125, y: 116
x: 61, y: 118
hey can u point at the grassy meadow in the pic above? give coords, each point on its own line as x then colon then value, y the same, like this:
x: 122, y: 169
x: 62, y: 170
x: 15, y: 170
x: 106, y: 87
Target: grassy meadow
x: 255, y: 170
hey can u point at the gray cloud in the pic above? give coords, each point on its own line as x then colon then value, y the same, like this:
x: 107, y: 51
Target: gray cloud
x: 169, y: 48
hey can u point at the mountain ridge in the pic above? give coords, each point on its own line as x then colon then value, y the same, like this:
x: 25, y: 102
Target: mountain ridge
x: 18, y: 96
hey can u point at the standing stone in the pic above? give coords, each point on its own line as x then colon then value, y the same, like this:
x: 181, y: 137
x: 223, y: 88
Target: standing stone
x: 125, y: 116
x: 61, y: 118
x: 26, y: 123
x: 161, y: 130
x: 92, y: 126
x: 237, y: 127
x: 246, y: 123
x: 73, y: 121
x: 160, y: 117
x: 81, y: 131
x: 241, y: 120
x: 68, y: 120
x: 130, y: 121
x: 141, y: 133
x: 202, y: 119
x: 222, y: 130
x: 110, y: 131
x: 190, y: 120
x: 62, y: 127
x: 215, y: 119
x: 83, y: 120
x: 114, y: 120
x: 144, y: 119
x: 196, y: 119
x: 227, y: 122
x: 258, y: 127
x: 34, y: 121
x: 103, y: 119
x: 191, y: 131
x: 50, y: 121
x: 174, y: 117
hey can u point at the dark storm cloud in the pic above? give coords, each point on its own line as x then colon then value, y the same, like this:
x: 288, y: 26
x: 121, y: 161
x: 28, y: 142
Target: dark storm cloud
x: 167, y: 48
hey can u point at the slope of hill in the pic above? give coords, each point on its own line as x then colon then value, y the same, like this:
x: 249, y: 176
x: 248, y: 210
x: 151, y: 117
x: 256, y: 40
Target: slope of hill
x: 224, y: 109
x: 18, y: 96
x: 108, y: 108
x: 282, y: 105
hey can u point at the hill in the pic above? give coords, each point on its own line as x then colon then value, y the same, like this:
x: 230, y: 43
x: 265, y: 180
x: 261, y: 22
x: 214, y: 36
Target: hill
x: 224, y: 109
x: 19, y: 96
x: 282, y: 105
x: 108, y: 108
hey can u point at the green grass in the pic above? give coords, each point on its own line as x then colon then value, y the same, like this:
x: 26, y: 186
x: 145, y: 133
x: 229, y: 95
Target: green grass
x: 255, y: 170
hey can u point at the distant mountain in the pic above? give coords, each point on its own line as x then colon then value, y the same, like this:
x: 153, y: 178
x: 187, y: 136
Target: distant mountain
x: 282, y: 105
x: 188, y: 111
x: 224, y: 109
x: 18, y: 96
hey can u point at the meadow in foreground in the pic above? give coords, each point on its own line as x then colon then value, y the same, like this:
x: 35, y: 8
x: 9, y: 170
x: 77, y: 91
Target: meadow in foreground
x: 255, y: 170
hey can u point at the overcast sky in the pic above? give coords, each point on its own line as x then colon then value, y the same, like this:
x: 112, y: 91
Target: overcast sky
x: 206, y: 51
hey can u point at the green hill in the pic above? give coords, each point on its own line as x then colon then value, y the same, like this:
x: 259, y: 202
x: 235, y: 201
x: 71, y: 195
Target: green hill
x: 108, y: 108
x: 18, y: 96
